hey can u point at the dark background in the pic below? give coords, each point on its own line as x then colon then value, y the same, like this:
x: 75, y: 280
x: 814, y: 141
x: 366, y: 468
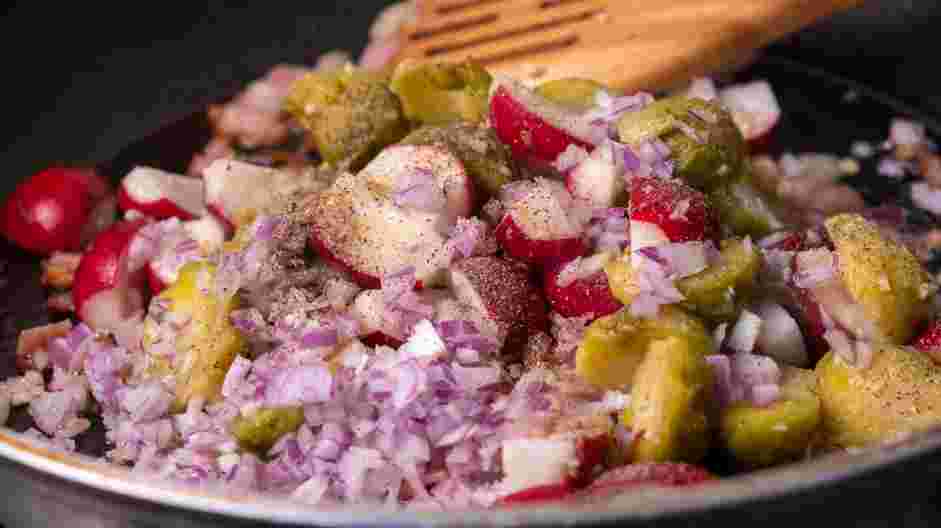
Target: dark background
x: 83, y: 77
x: 81, y: 80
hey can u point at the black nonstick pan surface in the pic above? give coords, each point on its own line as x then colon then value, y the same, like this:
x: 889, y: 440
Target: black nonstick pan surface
x: 136, y: 98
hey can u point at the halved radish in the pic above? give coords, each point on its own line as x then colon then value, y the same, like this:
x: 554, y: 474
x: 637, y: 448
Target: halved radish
x: 614, y: 482
x: 542, y: 224
x: 536, y: 129
x: 49, y: 211
x: 234, y: 188
x: 599, y: 180
x: 504, y: 292
x: 631, y: 476
x: 547, y: 468
x: 754, y: 109
x: 664, y: 211
x: 170, y: 246
x: 371, y: 237
x: 580, y: 287
x: 426, y: 178
x: 160, y: 194
x: 108, y: 286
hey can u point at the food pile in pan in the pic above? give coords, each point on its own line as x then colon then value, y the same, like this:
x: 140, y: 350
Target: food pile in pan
x: 424, y: 285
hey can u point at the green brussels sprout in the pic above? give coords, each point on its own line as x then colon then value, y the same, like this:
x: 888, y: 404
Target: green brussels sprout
x: 262, y: 428
x: 351, y: 115
x: 208, y: 344
x: 571, y: 91
x: 615, y: 345
x: 435, y: 93
x: 882, y: 276
x: 743, y: 210
x: 899, y: 393
x: 781, y: 432
x: 718, y: 292
x: 707, y: 148
x: 669, y: 402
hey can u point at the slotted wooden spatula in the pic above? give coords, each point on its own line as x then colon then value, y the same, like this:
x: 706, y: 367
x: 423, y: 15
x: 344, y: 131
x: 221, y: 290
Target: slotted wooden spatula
x: 627, y: 44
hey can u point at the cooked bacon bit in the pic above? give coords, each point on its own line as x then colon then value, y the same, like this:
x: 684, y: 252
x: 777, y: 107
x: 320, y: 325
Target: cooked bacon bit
x: 254, y: 117
x: 930, y: 165
x: 61, y: 302
x: 31, y: 344
x: 58, y: 270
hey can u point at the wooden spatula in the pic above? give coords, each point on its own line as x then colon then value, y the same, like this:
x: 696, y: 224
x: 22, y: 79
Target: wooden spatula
x: 627, y: 44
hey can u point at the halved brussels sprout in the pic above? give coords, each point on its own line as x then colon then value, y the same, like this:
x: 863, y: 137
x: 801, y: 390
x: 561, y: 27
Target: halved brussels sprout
x: 880, y: 275
x: 668, y: 410
x: 898, y: 394
x: 434, y: 93
x: 615, y: 345
x: 707, y: 148
x: 262, y: 428
x: 571, y: 91
x: 206, y: 345
x: 350, y: 114
x: 781, y: 432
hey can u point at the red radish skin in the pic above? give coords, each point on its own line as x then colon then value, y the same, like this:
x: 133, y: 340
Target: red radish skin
x: 672, y: 474
x: 791, y: 242
x: 219, y: 213
x: 364, y: 280
x: 929, y: 341
x: 376, y: 339
x: 532, y: 139
x: 588, y: 295
x: 99, y: 271
x: 505, y: 293
x: 810, y: 318
x: 160, y: 194
x: 48, y: 211
x: 156, y: 284
x: 591, y: 454
x: 515, y: 242
x: 369, y: 236
x: 537, y: 494
x: 755, y: 110
x: 679, y: 211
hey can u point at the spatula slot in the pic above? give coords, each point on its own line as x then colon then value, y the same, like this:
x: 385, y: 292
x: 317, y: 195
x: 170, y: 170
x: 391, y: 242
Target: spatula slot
x: 532, y: 49
x: 457, y: 25
x: 452, y: 7
x: 515, y: 32
x: 548, y: 4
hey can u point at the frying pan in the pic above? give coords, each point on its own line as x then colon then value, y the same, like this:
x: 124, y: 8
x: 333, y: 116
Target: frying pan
x: 840, y: 81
